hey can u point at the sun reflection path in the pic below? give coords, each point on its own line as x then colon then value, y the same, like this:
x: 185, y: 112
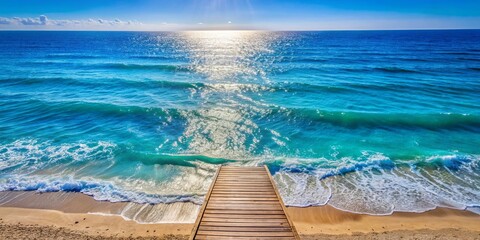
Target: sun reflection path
x: 229, y: 55
x: 235, y: 67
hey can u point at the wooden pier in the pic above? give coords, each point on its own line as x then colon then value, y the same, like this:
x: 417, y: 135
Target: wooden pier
x: 243, y: 203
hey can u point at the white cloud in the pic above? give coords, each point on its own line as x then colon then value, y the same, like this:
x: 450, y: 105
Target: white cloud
x: 4, y: 21
x: 43, y: 22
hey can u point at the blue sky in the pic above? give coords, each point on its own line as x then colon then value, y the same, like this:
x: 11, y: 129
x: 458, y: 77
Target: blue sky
x: 238, y: 14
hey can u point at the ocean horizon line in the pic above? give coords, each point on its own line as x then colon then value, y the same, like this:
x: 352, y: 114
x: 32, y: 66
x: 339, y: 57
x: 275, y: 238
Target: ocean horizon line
x: 241, y: 30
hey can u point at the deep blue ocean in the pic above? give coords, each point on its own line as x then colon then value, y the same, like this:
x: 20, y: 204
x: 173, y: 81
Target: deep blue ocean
x: 365, y: 121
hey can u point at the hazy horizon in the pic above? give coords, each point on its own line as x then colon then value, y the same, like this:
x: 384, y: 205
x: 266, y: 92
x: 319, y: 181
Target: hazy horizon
x: 233, y: 30
x: 287, y: 15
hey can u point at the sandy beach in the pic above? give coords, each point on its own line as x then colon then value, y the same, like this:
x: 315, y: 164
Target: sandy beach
x: 326, y: 222
x: 71, y: 220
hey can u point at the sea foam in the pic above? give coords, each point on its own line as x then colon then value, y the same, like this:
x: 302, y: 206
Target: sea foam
x: 371, y: 184
x: 381, y: 187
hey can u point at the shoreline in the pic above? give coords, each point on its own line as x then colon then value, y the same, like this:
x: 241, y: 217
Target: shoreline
x: 72, y: 213
x: 74, y: 202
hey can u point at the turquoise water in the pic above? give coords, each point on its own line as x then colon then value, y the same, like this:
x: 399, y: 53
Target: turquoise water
x: 365, y: 121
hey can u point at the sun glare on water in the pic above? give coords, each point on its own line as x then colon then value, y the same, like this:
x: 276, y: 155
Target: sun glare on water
x: 228, y: 55
x: 233, y: 64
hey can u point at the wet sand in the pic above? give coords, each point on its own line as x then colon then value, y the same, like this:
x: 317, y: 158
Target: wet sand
x: 66, y: 216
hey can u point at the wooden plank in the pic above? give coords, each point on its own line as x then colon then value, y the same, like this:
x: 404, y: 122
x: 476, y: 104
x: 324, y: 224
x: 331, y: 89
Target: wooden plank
x: 242, y: 167
x: 244, y: 211
x: 234, y: 201
x: 270, y: 189
x: 229, y: 186
x: 243, y: 220
x: 244, y: 216
x: 249, y: 193
x: 240, y: 181
x: 235, y: 179
x: 233, y: 185
x: 234, y: 198
x: 251, y: 185
x: 245, y: 199
x: 244, y: 206
x: 242, y: 194
x: 244, y: 189
x: 239, y: 170
x: 243, y: 180
x: 247, y: 234
x: 246, y: 175
x: 246, y: 224
x: 246, y: 195
x: 245, y: 229
x: 217, y: 207
x: 242, y: 203
x: 243, y: 183
x: 249, y: 201
x: 204, y: 237
x: 236, y: 195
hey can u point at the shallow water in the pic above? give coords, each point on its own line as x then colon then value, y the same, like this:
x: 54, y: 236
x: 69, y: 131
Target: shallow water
x: 366, y: 121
